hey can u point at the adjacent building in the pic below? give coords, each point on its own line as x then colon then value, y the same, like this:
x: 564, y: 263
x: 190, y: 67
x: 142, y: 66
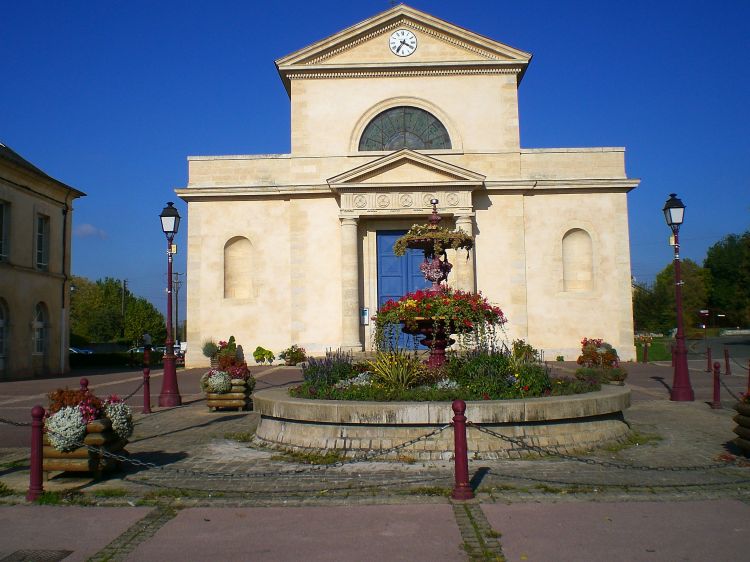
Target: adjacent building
x: 385, y: 116
x: 36, y: 213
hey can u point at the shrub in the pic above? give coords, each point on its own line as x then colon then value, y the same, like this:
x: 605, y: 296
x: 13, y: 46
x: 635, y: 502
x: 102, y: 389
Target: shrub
x: 261, y: 355
x: 336, y: 365
x: 397, y: 370
x: 217, y: 382
x: 293, y: 355
x: 613, y: 374
x: 210, y: 349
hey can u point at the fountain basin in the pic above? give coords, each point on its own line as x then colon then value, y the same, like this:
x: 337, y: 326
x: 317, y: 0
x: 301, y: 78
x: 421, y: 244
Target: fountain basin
x: 566, y: 424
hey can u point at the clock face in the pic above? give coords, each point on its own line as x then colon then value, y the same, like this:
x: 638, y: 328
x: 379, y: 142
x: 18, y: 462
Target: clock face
x: 403, y: 42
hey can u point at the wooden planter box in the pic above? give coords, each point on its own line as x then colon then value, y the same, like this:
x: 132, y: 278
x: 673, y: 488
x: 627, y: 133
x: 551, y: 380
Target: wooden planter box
x: 237, y: 398
x: 99, y: 434
x: 743, y: 427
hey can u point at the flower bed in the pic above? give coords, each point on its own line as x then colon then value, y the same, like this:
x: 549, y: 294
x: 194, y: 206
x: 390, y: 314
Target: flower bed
x: 80, y: 429
x: 229, y: 385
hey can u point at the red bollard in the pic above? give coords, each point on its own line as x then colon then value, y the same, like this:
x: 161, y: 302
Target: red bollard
x: 673, y: 350
x: 645, y: 353
x: 728, y: 368
x: 462, y: 490
x: 716, y: 404
x: 708, y: 359
x: 84, y: 384
x: 35, y: 463
x: 146, y: 381
x: 748, y: 377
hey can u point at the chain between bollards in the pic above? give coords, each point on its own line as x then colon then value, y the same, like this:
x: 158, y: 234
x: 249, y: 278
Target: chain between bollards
x: 462, y: 490
x: 709, y: 363
x: 727, y: 369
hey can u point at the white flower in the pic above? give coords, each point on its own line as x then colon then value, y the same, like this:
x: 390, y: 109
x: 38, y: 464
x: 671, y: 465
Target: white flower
x: 362, y: 379
x: 446, y: 384
x: 219, y: 382
x: 66, y: 429
x: 121, y: 417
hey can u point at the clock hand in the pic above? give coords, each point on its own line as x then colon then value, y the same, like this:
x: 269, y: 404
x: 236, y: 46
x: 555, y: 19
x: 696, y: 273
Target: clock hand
x: 403, y: 42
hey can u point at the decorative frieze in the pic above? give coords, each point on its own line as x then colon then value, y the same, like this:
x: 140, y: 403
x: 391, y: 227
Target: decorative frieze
x: 377, y: 202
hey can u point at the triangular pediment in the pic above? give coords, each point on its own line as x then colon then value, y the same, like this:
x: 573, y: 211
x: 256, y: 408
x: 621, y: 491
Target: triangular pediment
x: 365, y: 46
x: 406, y: 168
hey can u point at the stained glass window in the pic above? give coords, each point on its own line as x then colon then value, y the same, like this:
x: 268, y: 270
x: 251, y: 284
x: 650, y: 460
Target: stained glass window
x: 404, y: 127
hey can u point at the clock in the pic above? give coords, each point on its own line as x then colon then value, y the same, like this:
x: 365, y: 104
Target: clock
x: 403, y: 42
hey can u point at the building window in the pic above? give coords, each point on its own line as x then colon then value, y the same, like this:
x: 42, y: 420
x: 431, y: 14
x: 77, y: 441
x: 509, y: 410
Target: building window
x: 4, y: 326
x: 238, y: 268
x: 578, y: 261
x: 40, y: 327
x: 4, y: 226
x: 404, y: 127
x: 42, y: 242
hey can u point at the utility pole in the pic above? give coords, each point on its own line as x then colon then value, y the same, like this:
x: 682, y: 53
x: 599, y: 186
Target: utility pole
x: 176, y: 285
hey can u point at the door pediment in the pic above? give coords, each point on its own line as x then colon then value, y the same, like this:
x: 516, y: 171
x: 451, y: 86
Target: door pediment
x: 404, y: 183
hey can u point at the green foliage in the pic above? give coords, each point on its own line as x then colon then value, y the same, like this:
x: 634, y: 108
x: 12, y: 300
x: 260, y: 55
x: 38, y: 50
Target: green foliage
x: 261, y: 355
x: 209, y: 349
x: 434, y: 239
x: 337, y: 365
x: 293, y: 355
x: 695, y: 291
x: 728, y: 263
x: 614, y: 374
x: 96, y: 313
x: 397, y: 370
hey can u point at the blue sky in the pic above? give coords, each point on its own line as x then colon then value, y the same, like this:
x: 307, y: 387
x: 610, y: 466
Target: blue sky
x: 111, y: 97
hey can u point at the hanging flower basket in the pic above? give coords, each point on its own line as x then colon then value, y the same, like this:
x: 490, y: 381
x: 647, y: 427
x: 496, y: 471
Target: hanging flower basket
x: 433, y: 240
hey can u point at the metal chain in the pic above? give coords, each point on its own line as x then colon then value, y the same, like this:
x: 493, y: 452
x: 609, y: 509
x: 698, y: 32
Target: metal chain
x: 729, y: 390
x: 608, y: 464
x: 190, y: 472
x: 15, y: 423
x: 740, y: 365
x: 137, y: 388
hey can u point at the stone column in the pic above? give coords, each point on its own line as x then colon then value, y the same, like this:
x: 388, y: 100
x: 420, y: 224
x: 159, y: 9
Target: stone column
x: 465, y: 267
x: 350, y: 285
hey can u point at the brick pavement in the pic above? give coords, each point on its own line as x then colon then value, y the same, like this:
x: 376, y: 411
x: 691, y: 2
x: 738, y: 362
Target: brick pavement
x: 204, y: 461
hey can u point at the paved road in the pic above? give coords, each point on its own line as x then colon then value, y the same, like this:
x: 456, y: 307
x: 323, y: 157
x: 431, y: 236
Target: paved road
x: 276, y: 508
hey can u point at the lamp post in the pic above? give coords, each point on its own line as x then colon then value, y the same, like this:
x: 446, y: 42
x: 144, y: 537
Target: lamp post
x: 170, y: 394
x: 674, y: 212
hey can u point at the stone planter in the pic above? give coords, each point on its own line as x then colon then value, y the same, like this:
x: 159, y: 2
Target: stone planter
x: 99, y: 434
x: 237, y: 398
x: 566, y: 424
x: 743, y: 427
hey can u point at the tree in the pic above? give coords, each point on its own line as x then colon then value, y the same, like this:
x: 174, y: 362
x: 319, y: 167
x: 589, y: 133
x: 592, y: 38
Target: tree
x: 96, y: 313
x: 728, y: 262
x: 695, y: 290
x: 649, y: 309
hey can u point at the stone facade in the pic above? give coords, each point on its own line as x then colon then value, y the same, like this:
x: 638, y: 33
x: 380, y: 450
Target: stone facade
x: 282, y: 248
x: 35, y: 226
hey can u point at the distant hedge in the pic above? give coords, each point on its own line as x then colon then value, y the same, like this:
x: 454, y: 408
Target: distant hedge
x: 121, y: 359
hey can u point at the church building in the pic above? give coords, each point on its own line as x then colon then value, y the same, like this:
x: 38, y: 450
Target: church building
x: 387, y: 115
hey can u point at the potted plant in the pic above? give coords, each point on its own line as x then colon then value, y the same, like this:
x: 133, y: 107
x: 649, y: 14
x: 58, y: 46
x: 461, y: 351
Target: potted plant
x: 80, y: 428
x: 599, y: 361
x: 293, y: 355
x: 261, y: 355
x: 210, y: 350
x: 229, y: 385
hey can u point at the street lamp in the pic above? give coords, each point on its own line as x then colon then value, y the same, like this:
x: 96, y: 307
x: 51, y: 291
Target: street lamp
x: 674, y: 212
x: 170, y: 394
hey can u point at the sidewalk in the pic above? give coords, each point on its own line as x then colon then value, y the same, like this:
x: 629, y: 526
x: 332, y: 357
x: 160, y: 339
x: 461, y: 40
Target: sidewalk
x: 278, y: 508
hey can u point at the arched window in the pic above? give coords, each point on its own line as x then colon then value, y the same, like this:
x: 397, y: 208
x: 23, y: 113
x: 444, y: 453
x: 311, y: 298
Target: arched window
x: 238, y: 268
x: 4, y: 326
x: 41, y: 329
x: 578, y: 261
x: 404, y: 127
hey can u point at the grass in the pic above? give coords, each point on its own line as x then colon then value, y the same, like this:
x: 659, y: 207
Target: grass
x: 67, y: 497
x: 110, y: 493
x: 18, y: 463
x: 5, y: 491
x: 635, y: 439
x: 242, y: 437
x: 659, y: 350
x: 329, y: 457
x: 427, y: 491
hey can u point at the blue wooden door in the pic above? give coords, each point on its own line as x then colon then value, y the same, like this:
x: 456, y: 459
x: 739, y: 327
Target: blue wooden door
x: 398, y: 275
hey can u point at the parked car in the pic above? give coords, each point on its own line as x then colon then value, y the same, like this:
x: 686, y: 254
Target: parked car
x: 80, y: 350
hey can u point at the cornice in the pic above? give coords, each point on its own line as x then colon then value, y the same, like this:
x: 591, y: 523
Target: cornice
x: 411, y: 70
